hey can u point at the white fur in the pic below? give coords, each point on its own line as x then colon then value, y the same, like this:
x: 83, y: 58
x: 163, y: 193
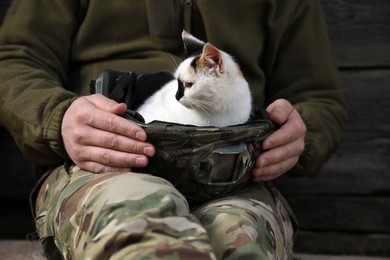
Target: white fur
x: 225, y: 96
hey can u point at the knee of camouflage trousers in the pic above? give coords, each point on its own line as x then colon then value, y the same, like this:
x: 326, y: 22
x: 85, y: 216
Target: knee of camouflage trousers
x: 253, y: 223
x: 134, y: 216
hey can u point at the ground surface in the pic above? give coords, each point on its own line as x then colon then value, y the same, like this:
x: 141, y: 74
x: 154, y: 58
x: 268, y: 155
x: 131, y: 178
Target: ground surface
x: 26, y: 250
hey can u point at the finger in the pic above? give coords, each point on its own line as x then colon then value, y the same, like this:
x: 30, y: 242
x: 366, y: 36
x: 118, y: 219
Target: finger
x: 279, y: 111
x: 115, y: 124
x: 293, y: 129
x: 109, y: 157
x: 100, y: 168
x: 114, y: 141
x: 103, y: 113
x: 273, y: 171
x: 281, y: 153
x: 107, y: 104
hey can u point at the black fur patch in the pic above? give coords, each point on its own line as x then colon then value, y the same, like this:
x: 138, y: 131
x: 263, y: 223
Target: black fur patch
x: 180, y: 90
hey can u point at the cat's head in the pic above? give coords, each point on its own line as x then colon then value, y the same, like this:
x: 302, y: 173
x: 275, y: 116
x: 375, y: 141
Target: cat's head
x: 209, y: 78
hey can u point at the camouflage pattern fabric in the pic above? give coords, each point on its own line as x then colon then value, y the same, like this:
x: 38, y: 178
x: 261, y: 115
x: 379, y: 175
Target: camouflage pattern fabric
x: 141, y: 216
x: 184, y: 155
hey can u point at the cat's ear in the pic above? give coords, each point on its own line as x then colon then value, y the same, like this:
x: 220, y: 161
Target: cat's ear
x: 212, y: 56
x: 192, y: 45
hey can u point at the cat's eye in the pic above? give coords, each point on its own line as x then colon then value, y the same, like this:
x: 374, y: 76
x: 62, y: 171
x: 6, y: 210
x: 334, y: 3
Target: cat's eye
x: 188, y: 84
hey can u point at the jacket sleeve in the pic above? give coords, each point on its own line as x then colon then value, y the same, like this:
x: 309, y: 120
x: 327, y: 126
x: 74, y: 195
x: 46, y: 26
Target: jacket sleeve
x: 303, y: 72
x: 35, y: 40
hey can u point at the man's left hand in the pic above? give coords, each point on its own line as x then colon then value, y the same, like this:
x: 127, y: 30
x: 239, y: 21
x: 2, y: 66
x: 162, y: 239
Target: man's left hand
x: 283, y: 147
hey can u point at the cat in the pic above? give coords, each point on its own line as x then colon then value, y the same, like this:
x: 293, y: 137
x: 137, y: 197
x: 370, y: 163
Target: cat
x: 209, y: 90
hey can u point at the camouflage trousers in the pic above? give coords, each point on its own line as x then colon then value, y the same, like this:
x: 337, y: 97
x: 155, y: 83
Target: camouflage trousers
x: 140, y: 216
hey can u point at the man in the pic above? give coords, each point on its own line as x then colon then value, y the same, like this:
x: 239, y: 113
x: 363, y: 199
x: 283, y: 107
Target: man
x: 95, y: 207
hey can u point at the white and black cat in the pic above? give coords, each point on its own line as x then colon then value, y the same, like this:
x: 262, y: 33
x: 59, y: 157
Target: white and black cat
x: 209, y: 90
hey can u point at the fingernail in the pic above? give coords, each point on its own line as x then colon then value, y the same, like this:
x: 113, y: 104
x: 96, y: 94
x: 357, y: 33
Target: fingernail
x: 141, y: 161
x: 267, y: 144
x: 149, y: 151
x: 259, y: 163
x: 140, y: 135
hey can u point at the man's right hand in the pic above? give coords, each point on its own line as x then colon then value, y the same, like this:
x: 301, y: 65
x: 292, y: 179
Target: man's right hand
x: 99, y: 140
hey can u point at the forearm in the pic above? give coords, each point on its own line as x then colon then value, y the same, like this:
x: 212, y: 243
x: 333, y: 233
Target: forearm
x: 31, y: 109
x: 305, y: 74
x: 34, y: 60
x: 325, y: 125
x: 34, y: 120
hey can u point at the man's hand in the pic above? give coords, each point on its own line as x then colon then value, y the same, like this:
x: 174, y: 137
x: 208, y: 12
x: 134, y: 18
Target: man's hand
x: 98, y: 139
x: 284, y: 146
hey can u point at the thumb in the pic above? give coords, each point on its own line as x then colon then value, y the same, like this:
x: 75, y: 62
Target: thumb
x: 119, y: 109
x: 279, y: 111
x: 107, y: 104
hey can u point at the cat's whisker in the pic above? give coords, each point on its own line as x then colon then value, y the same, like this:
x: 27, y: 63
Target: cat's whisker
x: 202, y: 105
x: 195, y: 105
x: 206, y: 105
x: 192, y: 105
x: 173, y: 63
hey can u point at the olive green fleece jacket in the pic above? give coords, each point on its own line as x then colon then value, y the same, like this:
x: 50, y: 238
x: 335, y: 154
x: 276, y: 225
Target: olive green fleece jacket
x: 51, y: 49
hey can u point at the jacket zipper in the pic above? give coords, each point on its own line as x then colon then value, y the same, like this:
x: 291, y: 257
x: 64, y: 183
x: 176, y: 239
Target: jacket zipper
x: 187, y: 15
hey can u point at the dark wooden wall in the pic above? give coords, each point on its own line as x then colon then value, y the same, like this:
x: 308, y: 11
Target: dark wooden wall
x: 346, y: 208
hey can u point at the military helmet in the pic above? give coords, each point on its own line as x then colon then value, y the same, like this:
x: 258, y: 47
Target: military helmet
x: 201, y: 162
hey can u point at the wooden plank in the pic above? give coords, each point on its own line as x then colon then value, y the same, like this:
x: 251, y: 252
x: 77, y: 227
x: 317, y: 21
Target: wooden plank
x: 341, y: 197
x: 366, y: 214
x: 22, y: 250
x: 368, y: 102
x: 336, y: 257
x: 360, y: 31
x: 338, y: 243
x: 361, y: 165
